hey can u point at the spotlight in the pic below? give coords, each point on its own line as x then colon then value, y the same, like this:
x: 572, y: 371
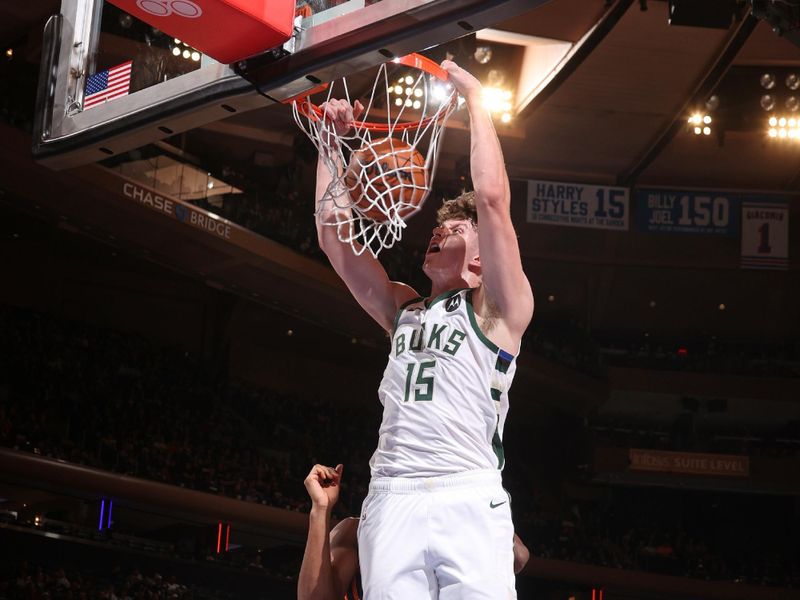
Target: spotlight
x: 698, y: 130
x: 398, y: 89
x: 483, y: 54
x: 773, y: 121
x: 782, y: 121
x: 186, y: 54
x: 706, y: 130
x: 767, y: 102
x: 409, y: 80
x: 767, y: 81
x: 417, y: 104
x: 177, y: 41
x: 792, y: 103
x: 792, y: 122
x: 408, y: 91
x: 773, y: 132
x: 782, y: 133
x: 722, y: 307
x: 418, y: 93
x: 176, y: 51
x: 712, y: 103
x: 506, y: 118
x: 409, y: 102
x: 792, y: 81
x: 9, y: 53
x: 125, y: 21
x: 196, y: 56
x: 398, y: 102
x: 706, y: 119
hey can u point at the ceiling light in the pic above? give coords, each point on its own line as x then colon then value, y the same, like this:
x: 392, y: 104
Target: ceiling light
x: 417, y: 104
x: 409, y: 80
x: 767, y: 81
x: 176, y: 51
x: 782, y: 121
x: 773, y: 121
x: 418, y: 92
x: 706, y: 119
x: 792, y: 104
x: 506, y: 118
x: 706, y: 130
x: 398, y: 89
x: 186, y: 54
x: 483, y: 54
x: 698, y: 130
x: 409, y: 102
x: 195, y: 56
x: 767, y: 102
x: 773, y: 132
x: 792, y: 81
x: 398, y: 102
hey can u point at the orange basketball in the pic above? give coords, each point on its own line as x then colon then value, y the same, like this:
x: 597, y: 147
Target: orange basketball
x: 385, y: 175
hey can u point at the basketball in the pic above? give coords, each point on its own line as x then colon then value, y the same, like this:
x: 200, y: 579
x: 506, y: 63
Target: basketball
x: 385, y: 176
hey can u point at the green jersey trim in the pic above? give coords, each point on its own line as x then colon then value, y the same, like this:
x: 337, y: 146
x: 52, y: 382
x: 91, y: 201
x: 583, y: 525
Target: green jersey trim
x: 497, y: 446
x: 481, y: 336
x: 429, y: 303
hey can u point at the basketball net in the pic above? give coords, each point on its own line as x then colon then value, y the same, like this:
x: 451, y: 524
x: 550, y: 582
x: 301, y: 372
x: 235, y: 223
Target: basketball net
x: 372, y: 208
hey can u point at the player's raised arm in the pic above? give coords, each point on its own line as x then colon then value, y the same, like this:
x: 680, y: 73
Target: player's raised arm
x: 329, y: 563
x: 506, y: 290
x: 363, y: 274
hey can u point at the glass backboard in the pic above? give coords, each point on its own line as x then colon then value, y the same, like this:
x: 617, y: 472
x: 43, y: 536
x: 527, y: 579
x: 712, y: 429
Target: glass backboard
x: 111, y: 82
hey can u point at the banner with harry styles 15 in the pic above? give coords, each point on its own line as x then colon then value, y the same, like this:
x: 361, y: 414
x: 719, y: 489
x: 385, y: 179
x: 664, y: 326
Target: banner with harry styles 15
x: 578, y: 205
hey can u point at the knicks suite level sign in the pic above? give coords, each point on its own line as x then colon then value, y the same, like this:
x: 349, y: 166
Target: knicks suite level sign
x: 225, y: 30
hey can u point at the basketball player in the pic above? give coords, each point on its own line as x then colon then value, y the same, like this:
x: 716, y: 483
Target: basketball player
x: 330, y: 563
x: 436, y: 522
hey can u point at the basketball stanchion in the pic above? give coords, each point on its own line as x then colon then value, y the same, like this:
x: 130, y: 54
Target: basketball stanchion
x: 383, y: 168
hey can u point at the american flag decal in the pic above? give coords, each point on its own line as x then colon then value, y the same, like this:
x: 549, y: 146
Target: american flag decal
x: 107, y: 85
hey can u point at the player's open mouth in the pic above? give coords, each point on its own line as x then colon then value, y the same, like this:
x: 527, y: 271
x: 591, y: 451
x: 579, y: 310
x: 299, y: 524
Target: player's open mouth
x: 434, y: 247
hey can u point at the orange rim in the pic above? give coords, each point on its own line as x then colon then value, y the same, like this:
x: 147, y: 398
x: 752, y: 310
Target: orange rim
x: 415, y: 61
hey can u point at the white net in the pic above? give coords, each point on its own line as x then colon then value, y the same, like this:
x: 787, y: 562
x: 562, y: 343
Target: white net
x: 383, y: 167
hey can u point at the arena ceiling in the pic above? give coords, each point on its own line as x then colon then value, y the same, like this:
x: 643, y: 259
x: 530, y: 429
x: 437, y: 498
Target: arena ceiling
x: 615, y: 114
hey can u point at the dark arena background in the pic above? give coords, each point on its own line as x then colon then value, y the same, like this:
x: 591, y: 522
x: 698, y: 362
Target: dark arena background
x: 176, y: 352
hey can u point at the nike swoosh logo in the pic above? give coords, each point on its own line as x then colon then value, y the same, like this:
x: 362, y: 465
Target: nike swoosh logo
x: 493, y: 505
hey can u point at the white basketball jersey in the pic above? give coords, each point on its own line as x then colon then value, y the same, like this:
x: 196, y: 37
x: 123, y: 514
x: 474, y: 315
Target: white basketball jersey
x: 444, y: 392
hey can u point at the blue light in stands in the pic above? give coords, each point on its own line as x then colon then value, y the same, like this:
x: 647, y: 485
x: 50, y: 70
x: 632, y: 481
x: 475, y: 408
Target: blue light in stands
x: 102, y: 510
x: 110, y: 508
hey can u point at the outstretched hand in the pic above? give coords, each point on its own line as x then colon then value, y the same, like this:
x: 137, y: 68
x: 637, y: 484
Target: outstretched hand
x: 323, y: 485
x: 341, y: 114
x: 465, y: 82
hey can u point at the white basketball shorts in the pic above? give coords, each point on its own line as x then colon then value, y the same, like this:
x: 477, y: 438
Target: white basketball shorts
x: 439, y: 538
